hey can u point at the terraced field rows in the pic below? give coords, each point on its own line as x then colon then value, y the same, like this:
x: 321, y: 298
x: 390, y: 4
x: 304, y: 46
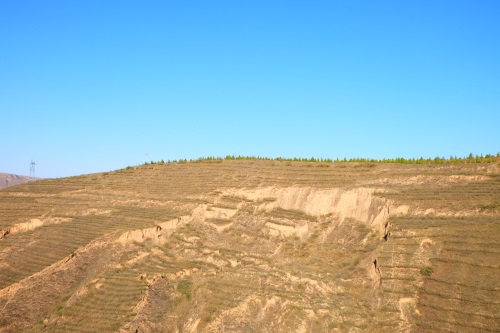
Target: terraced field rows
x: 235, y: 263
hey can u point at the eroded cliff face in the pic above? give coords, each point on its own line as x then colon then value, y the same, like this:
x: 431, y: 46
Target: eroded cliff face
x: 358, y: 204
x: 246, y: 259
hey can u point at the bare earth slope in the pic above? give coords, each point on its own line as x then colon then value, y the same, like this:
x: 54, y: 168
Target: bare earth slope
x: 254, y: 246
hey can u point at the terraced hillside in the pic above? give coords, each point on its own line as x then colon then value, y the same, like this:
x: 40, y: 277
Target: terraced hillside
x: 254, y: 246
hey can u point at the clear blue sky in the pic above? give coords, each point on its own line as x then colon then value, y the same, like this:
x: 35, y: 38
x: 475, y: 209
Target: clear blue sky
x: 89, y: 86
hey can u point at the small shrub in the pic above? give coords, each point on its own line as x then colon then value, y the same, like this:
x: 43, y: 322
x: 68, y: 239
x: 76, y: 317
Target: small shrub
x: 426, y: 271
x: 184, y: 288
x: 59, y: 309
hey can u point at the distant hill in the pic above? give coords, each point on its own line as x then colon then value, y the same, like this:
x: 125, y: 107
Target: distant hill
x: 7, y: 179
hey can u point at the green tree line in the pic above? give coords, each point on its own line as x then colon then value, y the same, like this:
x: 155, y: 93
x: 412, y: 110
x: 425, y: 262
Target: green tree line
x: 488, y: 158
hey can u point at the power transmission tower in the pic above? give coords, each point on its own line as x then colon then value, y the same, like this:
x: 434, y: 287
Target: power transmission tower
x: 32, y: 176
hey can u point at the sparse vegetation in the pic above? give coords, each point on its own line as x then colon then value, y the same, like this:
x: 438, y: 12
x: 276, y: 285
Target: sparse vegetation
x: 184, y: 288
x: 263, y: 265
x: 492, y: 206
x: 426, y: 271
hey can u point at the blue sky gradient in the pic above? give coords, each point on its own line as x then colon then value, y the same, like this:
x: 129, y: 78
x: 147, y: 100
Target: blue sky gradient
x: 94, y: 86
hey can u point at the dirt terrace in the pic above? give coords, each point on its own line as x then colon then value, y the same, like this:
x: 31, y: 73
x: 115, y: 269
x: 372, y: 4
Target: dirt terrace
x: 249, y: 246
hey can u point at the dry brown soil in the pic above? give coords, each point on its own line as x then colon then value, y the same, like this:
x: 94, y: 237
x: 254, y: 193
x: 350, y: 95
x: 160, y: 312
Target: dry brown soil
x: 254, y: 246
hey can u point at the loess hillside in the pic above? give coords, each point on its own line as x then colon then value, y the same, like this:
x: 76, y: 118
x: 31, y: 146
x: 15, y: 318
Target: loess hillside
x: 7, y: 179
x: 254, y: 246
